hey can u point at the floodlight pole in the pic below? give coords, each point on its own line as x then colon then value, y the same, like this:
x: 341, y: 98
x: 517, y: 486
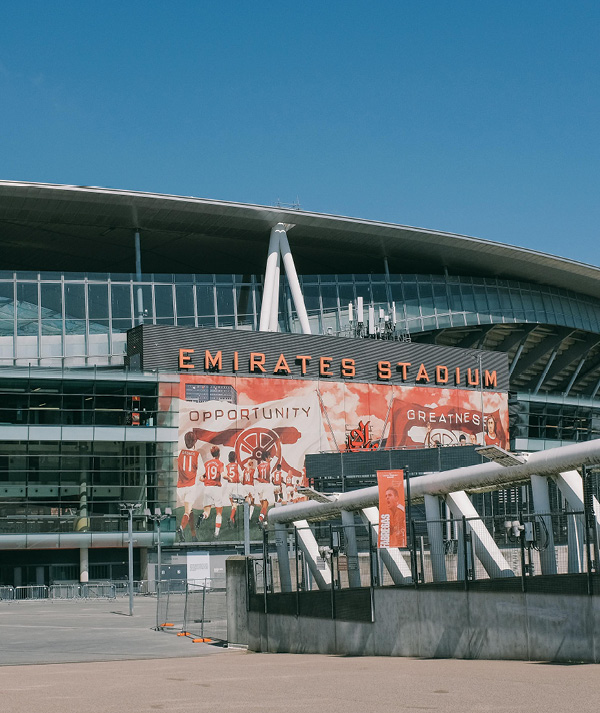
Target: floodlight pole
x: 158, y: 517
x: 130, y: 507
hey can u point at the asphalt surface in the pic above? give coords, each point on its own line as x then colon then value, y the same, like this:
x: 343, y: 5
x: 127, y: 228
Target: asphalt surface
x: 67, y: 657
x: 40, y: 632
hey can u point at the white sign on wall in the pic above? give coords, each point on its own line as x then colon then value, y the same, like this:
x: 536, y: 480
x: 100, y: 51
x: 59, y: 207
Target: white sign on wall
x: 198, y: 568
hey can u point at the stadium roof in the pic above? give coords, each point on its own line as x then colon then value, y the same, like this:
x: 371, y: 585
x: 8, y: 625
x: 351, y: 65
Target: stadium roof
x: 89, y: 229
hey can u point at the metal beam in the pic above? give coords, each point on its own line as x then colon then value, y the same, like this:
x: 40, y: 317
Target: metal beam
x: 470, y: 340
x: 572, y: 354
x: 294, y: 283
x: 436, y: 538
x: 283, y: 558
x: 551, y: 342
x: 545, y: 371
x: 310, y: 549
x: 515, y: 337
x: 269, y: 279
x: 541, y: 504
x: 390, y: 556
x: 351, y: 549
x: 575, y: 375
x: 487, y: 551
x: 484, y: 476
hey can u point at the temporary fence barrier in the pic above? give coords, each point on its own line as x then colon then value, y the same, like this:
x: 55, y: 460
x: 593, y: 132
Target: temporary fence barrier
x: 7, y: 593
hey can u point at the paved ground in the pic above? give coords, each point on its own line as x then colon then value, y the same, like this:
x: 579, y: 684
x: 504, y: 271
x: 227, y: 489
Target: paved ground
x: 121, y: 665
x: 75, y: 631
x: 239, y: 681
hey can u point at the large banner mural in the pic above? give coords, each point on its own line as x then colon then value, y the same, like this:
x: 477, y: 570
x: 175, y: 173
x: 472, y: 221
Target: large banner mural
x: 244, y: 439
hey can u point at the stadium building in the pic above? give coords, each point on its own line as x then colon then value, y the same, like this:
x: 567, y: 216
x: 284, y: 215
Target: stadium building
x: 108, y: 296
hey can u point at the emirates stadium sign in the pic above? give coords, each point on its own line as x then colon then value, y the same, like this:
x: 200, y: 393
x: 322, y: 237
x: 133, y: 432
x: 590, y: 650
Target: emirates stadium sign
x: 267, y: 354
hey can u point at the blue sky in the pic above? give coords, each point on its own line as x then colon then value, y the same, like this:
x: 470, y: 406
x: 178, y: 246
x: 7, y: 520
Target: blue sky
x: 475, y: 117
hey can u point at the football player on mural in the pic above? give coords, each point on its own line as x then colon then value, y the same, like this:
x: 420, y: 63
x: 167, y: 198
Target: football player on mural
x: 215, y: 494
x: 232, y: 474
x: 247, y: 489
x: 189, y: 485
x: 264, y: 491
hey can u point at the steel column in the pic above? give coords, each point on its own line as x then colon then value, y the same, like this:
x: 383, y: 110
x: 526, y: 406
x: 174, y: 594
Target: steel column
x: 436, y: 538
x: 138, y: 277
x: 541, y: 504
x: 390, y: 556
x: 351, y: 549
x: 486, y: 549
x: 268, y: 284
x: 294, y: 283
x: 283, y: 557
x: 310, y: 548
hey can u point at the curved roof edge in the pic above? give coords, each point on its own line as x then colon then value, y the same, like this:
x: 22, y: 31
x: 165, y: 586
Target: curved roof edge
x: 314, y: 231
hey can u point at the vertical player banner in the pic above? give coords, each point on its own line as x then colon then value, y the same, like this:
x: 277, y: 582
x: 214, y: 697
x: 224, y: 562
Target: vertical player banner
x: 392, y: 513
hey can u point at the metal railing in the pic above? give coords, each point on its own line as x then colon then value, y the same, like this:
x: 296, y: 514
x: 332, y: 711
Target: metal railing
x: 555, y: 552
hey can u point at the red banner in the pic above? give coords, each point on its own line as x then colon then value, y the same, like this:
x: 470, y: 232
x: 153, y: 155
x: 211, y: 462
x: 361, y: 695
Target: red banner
x: 392, y: 514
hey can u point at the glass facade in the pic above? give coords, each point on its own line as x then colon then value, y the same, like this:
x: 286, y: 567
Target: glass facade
x: 106, y: 450
x: 51, y: 319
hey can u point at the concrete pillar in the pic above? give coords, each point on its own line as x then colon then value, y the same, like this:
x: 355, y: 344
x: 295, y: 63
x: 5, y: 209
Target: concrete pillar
x: 351, y: 549
x: 391, y: 557
x: 294, y: 283
x: 236, y: 588
x: 283, y: 557
x: 308, y: 544
x: 436, y: 538
x: 270, y: 270
x: 84, y: 565
x: 486, y: 549
x: 82, y: 524
x: 541, y: 504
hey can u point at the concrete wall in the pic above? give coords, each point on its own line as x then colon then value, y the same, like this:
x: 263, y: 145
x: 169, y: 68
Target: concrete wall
x: 438, y: 624
x: 237, y: 602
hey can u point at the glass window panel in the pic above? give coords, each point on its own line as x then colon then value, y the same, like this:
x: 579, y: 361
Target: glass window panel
x: 481, y: 299
x: 311, y: 298
x: 346, y: 292
x: 27, y: 327
x: 426, y: 298
x: 329, y: 297
x: 379, y: 293
x: 184, y: 298
x: 455, y: 298
x: 121, y: 325
x: 98, y: 301
x: 120, y: 301
x: 411, y: 300
x: 51, y: 300
x: 163, y: 300
x: 186, y: 321
x: 205, y: 300
x: 225, y: 300
x: 75, y: 326
x: 27, y: 300
x: 493, y: 299
x: 397, y: 295
x: 468, y: 298
x: 243, y: 298
x: 7, y: 327
x: 74, y: 301
x: 7, y: 300
x: 440, y: 297
x: 52, y: 326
